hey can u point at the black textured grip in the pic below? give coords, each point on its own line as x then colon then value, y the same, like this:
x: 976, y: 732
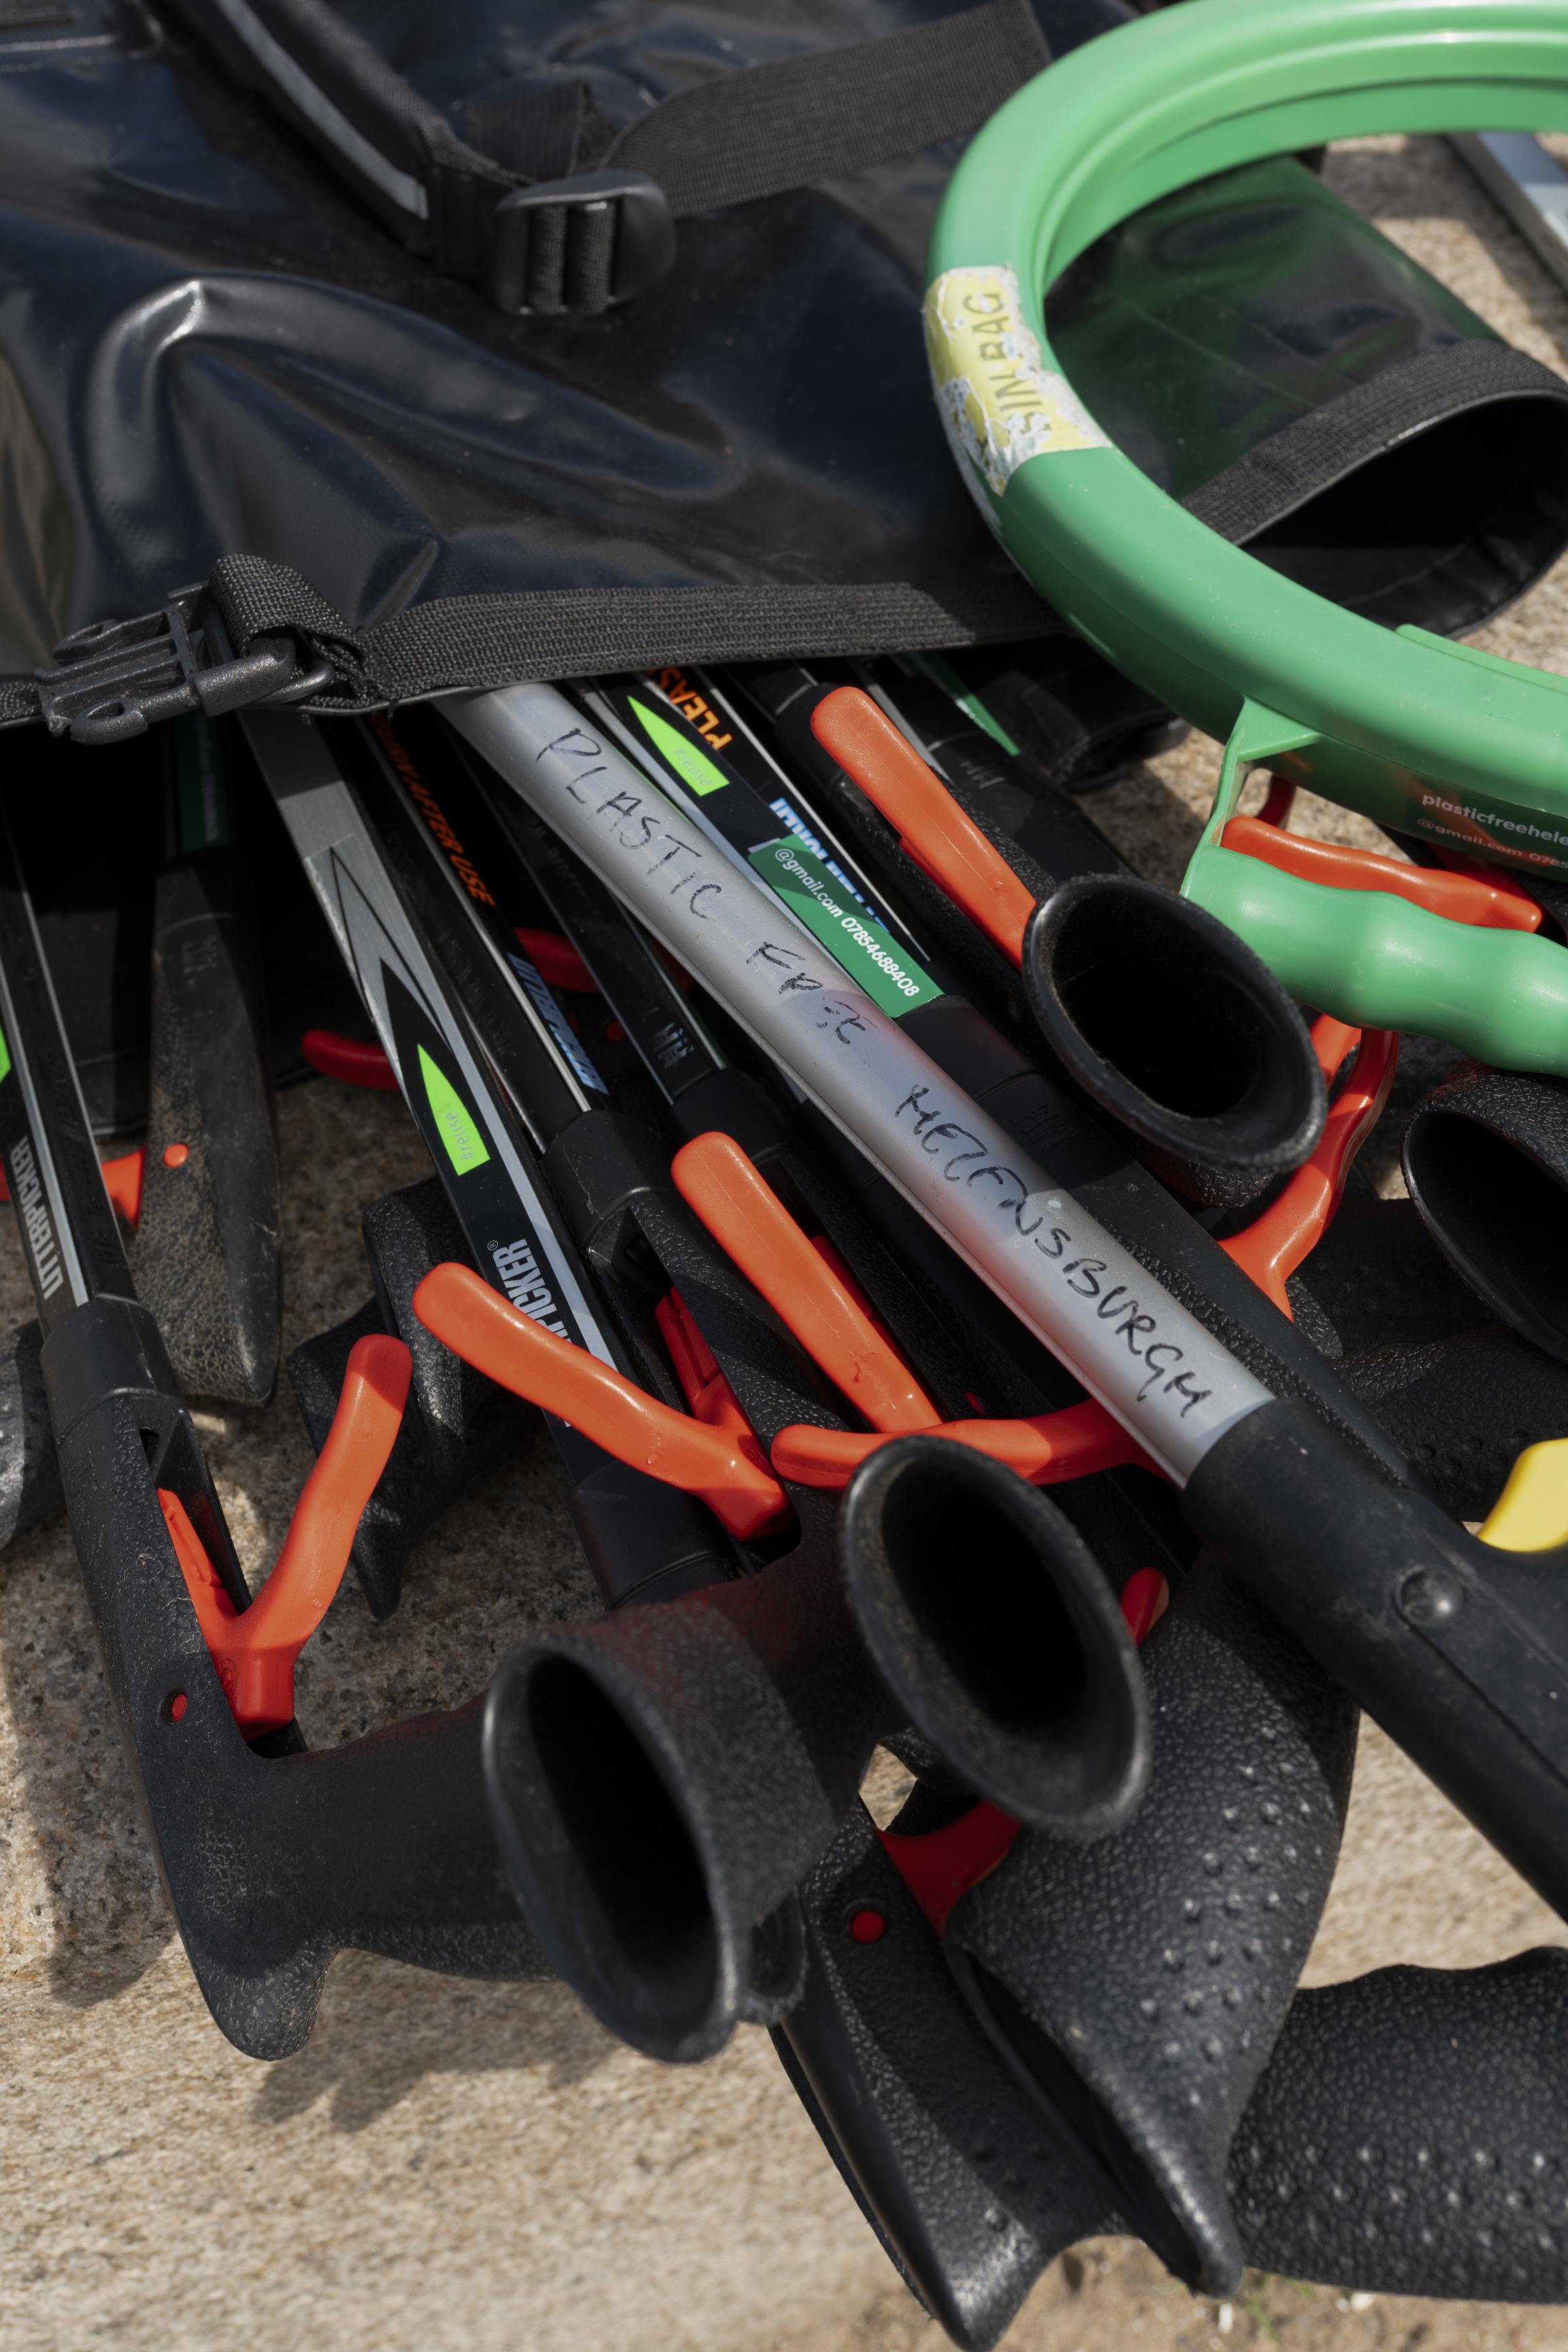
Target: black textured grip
x: 206, y: 1251
x: 1462, y: 1410
x: 966, y: 2187
x: 1138, y: 1983
x: 1485, y: 1159
x: 272, y: 1863
x: 1410, y: 2135
x: 1377, y: 1280
x: 1459, y: 1651
x: 29, y: 1473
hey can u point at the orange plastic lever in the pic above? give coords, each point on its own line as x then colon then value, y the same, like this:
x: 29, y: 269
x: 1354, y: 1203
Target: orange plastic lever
x: 254, y: 1649
x: 1045, y: 1448
x: 1277, y: 1242
x: 1494, y: 905
x: 939, y: 1866
x: 750, y: 1223
x: 756, y: 1232
x: 1331, y: 1041
x: 489, y: 1333
x: 122, y: 1181
x: 556, y: 961
x: 931, y: 825
x: 1495, y: 877
x: 702, y: 1382
x: 354, y: 1061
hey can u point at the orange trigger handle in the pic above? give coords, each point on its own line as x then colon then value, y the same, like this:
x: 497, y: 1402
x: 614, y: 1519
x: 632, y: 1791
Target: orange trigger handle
x: 1045, y: 1448
x: 519, y: 1354
x: 703, y: 1383
x: 756, y: 1232
x: 1286, y: 1233
x: 254, y: 1649
x: 1333, y: 1041
x: 931, y: 826
x: 1490, y: 901
x: 122, y: 1181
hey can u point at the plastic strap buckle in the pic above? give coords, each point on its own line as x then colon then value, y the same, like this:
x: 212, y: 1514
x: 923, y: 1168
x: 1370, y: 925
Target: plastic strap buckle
x: 579, y: 244
x: 115, y: 678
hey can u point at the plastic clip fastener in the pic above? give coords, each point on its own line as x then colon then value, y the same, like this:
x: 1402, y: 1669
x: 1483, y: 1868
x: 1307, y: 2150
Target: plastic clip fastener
x: 579, y: 244
x: 114, y: 678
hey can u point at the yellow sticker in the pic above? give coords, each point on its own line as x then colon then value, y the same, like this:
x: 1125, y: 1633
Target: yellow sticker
x: 1000, y: 403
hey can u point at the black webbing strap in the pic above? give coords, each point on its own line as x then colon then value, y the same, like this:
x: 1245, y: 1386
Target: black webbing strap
x: 480, y: 641
x: 836, y: 111
x: 546, y: 236
x: 1307, y: 457
x: 262, y: 609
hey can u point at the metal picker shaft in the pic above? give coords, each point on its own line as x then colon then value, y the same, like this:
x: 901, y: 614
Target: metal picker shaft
x: 474, y: 1141
x: 69, y: 1237
x: 666, y: 1034
x: 632, y: 1528
x: 1460, y: 1651
x: 98, y: 1336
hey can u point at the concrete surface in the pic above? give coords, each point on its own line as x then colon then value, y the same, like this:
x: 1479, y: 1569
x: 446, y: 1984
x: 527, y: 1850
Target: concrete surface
x: 474, y: 2167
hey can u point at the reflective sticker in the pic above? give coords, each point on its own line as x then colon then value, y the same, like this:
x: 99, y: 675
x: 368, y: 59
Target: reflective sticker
x: 1000, y: 403
x: 693, y: 767
x: 465, y: 1146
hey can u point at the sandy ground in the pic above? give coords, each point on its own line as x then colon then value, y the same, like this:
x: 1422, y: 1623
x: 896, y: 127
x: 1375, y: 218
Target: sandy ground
x: 465, y: 2165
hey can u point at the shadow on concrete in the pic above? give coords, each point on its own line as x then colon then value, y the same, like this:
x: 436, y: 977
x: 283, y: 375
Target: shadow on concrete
x: 384, y: 2027
x: 90, y: 1904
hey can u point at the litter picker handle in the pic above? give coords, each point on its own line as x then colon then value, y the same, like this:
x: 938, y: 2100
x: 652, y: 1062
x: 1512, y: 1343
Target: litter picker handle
x: 1435, y: 2097
x: 1459, y: 1663
x: 1458, y: 1649
x: 1379, y: 961
x: 1137, y: 1984
x: 939, y: 2144
x: 272, y: 1863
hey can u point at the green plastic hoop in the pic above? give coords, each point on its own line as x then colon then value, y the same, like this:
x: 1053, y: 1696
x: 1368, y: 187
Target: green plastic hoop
x: 1420, y: 734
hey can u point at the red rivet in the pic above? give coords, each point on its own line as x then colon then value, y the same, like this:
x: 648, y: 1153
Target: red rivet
x: 1145, y: 1599
x: 176, y: 1154
x: 177, y: 1707
x: 868, y: 1927
x: 613, y: 1033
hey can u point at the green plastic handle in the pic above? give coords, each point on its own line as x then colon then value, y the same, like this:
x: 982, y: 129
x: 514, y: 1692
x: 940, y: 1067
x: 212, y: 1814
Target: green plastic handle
x: 1374, y: 960
x: 1421, y: 736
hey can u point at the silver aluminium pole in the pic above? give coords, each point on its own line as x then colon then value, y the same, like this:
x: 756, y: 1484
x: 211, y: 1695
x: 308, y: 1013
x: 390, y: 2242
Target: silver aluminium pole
x: 1139, y: 1351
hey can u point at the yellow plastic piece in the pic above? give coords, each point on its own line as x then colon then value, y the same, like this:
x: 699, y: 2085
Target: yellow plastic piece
x: 1532, y: 1512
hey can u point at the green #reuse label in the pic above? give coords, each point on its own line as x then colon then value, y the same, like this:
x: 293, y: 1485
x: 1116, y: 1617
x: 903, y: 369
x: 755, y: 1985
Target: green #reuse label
x: 892, y: 980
